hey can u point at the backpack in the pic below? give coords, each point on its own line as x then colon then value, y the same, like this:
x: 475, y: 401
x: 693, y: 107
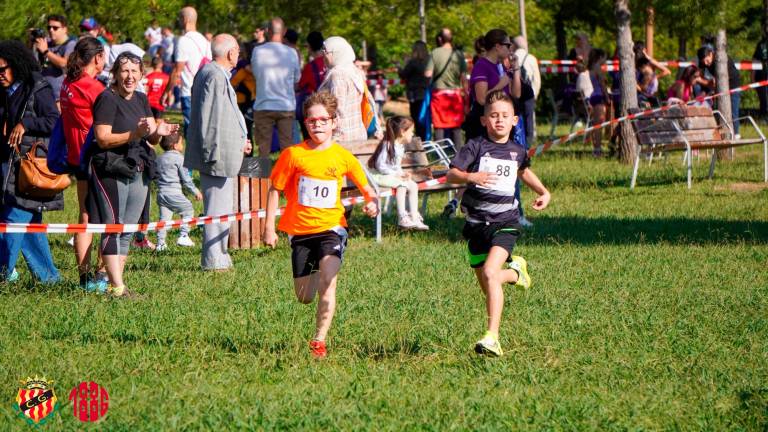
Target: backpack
x: 525, y: 80
x: 56, y: 159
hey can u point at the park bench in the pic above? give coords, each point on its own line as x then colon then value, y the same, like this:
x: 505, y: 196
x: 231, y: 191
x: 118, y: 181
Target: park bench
x: 424, y: 161
x: 686, y: 128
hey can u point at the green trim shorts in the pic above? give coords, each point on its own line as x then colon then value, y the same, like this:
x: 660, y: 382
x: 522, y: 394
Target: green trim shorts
x: 481, y: 237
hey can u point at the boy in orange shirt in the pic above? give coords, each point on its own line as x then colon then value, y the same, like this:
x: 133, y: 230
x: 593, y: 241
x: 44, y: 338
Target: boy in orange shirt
x: 310, y: 176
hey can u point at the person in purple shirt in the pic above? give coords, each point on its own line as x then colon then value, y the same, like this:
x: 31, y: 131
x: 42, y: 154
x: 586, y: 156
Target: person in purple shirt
x: 489, y: 75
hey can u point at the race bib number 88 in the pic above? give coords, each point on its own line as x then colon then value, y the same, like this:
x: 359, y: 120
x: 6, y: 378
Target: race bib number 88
x: 505, y: 170
x: 317, y: 193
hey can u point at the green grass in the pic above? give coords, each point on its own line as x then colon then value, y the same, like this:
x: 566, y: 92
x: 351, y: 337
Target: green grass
x: 648, y: 311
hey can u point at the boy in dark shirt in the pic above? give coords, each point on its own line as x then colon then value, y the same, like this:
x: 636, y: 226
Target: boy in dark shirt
x: 490, y: 166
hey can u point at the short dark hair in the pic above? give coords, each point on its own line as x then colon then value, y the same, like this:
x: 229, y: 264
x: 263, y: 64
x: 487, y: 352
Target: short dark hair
x: 156, y: 61
x: 315, y: 40
x: 497, y: 96
x: 292, y: 36
x: 60, y: 18
x: 493, y: 37
x: 167, y: 142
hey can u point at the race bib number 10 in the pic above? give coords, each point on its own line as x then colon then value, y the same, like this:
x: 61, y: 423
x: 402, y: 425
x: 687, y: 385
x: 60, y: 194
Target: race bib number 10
x: 505, y: 170
x: 317, y: 193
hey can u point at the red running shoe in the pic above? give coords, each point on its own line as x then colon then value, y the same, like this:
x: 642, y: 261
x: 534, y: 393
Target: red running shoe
x: 317, y: 348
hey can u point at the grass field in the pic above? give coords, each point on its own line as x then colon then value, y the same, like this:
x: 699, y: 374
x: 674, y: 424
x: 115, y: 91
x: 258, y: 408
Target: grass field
x: 647, y: 312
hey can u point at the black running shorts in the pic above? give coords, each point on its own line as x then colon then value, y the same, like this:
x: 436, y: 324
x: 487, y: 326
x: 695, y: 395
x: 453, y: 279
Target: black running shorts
x: 308, y: 250
x: 481, y: 237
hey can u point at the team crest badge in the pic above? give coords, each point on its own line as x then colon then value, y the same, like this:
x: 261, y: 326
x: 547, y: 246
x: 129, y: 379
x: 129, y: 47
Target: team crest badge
x: 35, y: 400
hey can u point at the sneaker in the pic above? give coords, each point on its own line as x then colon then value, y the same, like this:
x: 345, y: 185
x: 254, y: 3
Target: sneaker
x: 406, y: 222
x: 489, y: 345
x: 162, y: 246
x: 418, y: 223
x: 449, y: 210
x: 317, y: 349
x: 13, y: 277
x: 122, y: 292
x: 144, y: 244
x: 525, y: 223
x: 185, y: 241
x: 96, y: 283
x: 519, y: 265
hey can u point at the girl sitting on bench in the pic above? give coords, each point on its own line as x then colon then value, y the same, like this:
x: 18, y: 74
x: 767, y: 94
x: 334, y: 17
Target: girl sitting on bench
x: 386, y: 164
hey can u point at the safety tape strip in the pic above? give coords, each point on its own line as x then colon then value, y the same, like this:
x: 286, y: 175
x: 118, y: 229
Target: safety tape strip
x: 60, y: 228
x: 541, y: 148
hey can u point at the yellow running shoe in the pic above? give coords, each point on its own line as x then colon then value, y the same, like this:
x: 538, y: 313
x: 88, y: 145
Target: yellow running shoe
x: 489, y: 345
x: 519, y: 265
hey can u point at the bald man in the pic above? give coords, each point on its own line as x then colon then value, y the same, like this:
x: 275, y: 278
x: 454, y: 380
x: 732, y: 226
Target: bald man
x: 216, y: 142
x: 192, y: 52
x: 276, y: 69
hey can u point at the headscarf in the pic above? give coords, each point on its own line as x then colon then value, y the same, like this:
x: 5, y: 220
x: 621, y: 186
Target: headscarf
x: 343, y: 62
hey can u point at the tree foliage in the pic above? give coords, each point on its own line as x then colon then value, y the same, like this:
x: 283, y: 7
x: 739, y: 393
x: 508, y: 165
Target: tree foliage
x: 390, y: 26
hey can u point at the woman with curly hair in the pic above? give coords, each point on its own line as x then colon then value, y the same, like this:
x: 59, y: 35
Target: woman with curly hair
x: 27, y: 115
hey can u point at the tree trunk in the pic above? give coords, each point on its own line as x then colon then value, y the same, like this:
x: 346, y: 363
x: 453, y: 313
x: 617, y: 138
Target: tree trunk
x: 523, y: 31
x: 765, y: 18
x: 682, y: 47
x: 422, y: 22
x: 560, y: 39
x: 628, y: 149
x: 649, y: 23
x: 724, y: 101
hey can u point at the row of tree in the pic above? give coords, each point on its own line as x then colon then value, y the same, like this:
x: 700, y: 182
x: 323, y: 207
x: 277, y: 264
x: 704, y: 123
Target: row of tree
x: 390, y: 26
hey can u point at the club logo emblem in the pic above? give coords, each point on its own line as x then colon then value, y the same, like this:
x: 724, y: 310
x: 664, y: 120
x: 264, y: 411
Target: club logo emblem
x: 35, y: 400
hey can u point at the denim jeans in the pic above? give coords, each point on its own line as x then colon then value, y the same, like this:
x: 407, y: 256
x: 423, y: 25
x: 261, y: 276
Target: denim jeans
x: 34, y: 247
x: 186, y: 112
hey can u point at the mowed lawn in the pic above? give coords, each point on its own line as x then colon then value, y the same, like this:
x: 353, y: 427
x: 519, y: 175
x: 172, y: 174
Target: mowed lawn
x: 647, y: 311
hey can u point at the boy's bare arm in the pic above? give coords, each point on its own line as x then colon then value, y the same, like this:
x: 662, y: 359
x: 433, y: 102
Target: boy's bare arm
x: 270, y: 236
x: 457, y: 176
x: 371, y: 208
x: 532, y: 181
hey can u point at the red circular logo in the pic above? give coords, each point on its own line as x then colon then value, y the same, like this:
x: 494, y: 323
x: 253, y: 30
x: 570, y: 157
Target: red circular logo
x: 90, y: 401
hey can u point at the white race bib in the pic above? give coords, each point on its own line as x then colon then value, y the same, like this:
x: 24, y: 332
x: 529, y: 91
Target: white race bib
x: 317, y: 193
x: 505, y: 170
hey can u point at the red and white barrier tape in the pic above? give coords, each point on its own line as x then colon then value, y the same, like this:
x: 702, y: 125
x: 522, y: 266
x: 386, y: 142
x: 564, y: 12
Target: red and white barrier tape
x: 569, y: 66
x: 565, y: 138
x: 60, y: 228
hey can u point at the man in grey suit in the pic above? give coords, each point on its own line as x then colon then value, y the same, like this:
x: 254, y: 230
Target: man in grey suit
x: 216, y: 142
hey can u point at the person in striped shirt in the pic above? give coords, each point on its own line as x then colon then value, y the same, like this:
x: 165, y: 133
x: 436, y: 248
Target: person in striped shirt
x: 489, y: 165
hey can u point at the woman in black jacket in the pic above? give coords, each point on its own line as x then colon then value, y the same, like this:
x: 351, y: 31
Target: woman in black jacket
x: 27, y: 115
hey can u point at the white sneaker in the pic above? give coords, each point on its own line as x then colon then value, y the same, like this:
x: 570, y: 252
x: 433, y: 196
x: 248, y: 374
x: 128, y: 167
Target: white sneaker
x: 418, y: 223
x: 406, y: 222
x: 185, y: 241
x: 162, y: 246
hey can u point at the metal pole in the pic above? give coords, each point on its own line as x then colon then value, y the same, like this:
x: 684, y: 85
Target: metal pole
x: 422, y: 22
x: 523, y: 32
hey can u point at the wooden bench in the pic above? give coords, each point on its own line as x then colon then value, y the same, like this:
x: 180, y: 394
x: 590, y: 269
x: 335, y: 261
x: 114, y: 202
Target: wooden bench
x: 686, y: 128
x: 423, y: 162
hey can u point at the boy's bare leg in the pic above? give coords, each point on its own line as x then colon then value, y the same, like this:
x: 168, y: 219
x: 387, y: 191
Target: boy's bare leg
x: 492, y: 277
x: 305, y: 288
x: 326, y: 287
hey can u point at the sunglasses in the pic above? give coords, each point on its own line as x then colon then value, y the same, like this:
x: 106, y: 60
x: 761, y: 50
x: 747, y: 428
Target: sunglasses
x: 54, y: 28
x: 320, y: 121
x: 508, y: 44
x: 3, y: 69
x: 128, y: 57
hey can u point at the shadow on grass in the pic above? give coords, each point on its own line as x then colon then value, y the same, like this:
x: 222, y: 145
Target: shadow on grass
x: 606, y: 230
x: 380, y: 352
